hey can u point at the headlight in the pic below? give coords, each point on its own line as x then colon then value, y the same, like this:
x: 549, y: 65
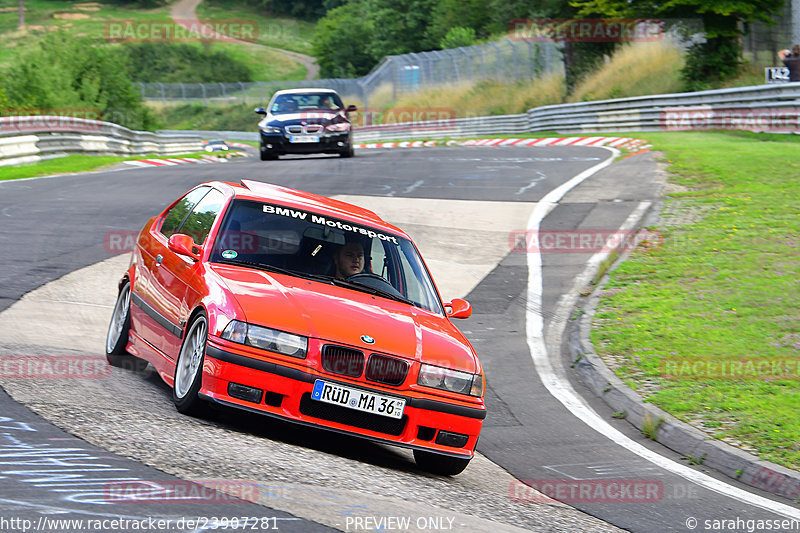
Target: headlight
x: 266, y: 339
x: 342, y: 126
x: 270, y: 129
x: 450, y: 380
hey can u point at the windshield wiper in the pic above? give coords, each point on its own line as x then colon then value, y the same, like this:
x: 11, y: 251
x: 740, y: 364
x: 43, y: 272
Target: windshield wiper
x: 370, y: 290
x: 261, y: 266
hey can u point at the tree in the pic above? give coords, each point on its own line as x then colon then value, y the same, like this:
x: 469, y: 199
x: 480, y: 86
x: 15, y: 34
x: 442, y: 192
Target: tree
x: 718, y: 57
x: 69, y: 74
x: 341, y: 41
x: 458, y: 36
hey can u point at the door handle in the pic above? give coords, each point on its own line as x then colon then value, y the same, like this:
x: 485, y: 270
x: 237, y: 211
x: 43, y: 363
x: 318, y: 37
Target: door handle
x: 159, y: 258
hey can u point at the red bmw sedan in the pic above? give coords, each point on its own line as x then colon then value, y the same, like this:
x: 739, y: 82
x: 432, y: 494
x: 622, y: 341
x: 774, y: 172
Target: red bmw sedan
x: 304, y: 308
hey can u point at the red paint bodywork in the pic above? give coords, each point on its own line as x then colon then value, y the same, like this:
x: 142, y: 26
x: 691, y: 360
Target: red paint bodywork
x: 181, y: 286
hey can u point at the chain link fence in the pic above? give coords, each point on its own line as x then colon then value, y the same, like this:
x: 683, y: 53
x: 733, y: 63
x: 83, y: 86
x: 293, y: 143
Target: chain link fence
x: 503, y: 60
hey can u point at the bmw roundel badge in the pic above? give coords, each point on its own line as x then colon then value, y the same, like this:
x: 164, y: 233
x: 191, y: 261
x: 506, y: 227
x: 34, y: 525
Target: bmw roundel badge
x: 367, y: 339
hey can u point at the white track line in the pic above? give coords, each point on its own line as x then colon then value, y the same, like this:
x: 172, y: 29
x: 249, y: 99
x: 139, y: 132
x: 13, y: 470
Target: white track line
x: 561, y: 389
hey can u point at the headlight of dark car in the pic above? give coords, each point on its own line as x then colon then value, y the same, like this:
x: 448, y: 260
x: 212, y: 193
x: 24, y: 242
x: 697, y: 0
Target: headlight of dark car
x: 342, y: 126
x: 270, y: 129
x: 450, y: 380
x: 266, y: 339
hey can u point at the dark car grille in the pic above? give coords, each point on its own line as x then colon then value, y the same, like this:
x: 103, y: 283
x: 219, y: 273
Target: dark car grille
x: 351, y: 417
x: 385, y: 369
x: 342, y: 361
x: 308, y: 128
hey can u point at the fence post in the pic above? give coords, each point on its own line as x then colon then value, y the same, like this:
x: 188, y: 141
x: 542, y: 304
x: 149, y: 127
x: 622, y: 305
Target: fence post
x: 497, y: 60
x: 163, y: 95
x: 244, y: 96
x: 183, y: 92
x: 203, y: 88
x: 514, y: 56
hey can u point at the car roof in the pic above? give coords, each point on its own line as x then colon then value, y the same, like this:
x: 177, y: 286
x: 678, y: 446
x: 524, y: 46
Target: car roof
x: 268, y: 192
x: 305, y: 90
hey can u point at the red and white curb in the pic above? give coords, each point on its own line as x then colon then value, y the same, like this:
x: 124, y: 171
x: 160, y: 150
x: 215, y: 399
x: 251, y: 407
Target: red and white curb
x: 625, y: 143
x: 181, y: 160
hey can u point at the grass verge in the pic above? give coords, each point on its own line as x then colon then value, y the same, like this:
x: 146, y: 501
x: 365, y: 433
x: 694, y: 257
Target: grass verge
x: 721, y: 292
x: 73, y: 164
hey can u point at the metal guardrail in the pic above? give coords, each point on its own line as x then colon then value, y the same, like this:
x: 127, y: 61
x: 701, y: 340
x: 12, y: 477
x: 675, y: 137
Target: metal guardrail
x: 759, y: 108
x: 28, y: 139
x: 763, y: 107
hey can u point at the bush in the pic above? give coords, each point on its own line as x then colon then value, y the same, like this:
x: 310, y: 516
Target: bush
x: 181, y: 63
x: 70, y: 73
x: 457, y: 37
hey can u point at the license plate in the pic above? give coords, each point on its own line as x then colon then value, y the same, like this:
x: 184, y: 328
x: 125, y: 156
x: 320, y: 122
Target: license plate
x: 304, y: 139
x: 358, y: 399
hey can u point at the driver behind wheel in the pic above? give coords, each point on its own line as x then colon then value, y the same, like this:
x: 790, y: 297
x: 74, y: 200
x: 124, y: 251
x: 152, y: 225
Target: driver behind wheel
x: 349, y: 260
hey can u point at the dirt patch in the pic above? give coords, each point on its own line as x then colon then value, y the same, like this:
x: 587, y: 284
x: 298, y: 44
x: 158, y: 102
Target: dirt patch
x: 88, y: 6
x: 71, y: 16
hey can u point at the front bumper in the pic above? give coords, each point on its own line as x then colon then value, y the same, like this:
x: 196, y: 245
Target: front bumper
x: 427, y: 423
x: 278, y: 144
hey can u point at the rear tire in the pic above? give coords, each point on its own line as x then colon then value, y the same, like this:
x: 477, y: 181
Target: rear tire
x: 189, y: 369
x: 442, y: 465
x: 117, y: 336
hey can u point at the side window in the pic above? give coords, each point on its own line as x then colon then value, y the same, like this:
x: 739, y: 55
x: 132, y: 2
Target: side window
x: 176, y: 215
x: 199, y: 222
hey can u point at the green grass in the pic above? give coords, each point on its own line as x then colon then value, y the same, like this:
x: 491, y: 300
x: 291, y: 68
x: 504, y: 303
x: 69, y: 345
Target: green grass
x: 722, y: 286
x: 279, y: 32
x: 41, y: 17
x: 73, y: 164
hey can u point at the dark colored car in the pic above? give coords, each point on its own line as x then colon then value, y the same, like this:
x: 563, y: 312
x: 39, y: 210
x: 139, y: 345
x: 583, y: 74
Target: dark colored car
x: 305, y: 121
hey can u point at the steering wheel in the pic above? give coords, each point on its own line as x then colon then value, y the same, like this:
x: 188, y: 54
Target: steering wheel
x: 367, y: 275
x: 374, y: 281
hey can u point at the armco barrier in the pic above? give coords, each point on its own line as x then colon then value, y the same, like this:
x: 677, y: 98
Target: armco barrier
x: 759, y: 108
x: 28, y: 139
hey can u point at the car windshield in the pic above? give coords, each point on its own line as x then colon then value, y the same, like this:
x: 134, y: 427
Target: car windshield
x: 306, y: 244
x: 293, y: 103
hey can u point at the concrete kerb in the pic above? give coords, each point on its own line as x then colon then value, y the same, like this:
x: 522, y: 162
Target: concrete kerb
x: 678, y: 436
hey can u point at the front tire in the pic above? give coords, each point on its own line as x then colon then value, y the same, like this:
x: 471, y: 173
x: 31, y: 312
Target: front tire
x: 189, y: 369
x: 266, y: 156
x: 442, y: 465
x: 349, y: 152
x: 117, y: 336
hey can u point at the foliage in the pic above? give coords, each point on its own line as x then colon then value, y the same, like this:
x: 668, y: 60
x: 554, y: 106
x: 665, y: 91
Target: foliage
x: 69, y: 73
x: 303, y: 9
x: 718, y: 58
x: 458, y: 36
x: 174, y: 63
x: 340, y: 42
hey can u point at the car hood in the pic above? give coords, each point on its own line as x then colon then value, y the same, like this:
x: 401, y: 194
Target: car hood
x: 315, y: 117
x: 336, y: 314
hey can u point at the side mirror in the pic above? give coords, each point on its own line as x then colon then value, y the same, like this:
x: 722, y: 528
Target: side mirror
x: 184, y: 245
x: 458, y: 308
x: 350, y: 109
x: 261, y: 111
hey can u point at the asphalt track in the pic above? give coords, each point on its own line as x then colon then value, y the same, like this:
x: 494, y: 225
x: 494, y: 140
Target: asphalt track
x: 51, y: 227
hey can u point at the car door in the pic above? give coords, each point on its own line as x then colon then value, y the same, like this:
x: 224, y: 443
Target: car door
x: 173, y: 275
x: 151, y: 300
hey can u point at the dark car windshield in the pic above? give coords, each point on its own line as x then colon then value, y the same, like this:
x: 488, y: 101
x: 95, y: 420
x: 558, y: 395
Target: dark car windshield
x: 306, y: 244
x: 293, y: 103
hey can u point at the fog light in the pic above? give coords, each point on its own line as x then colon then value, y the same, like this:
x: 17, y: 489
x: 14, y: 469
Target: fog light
x: 340, y: 143
x: 243, y: 392
x: 447, y: 438
x: 269, y: 146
